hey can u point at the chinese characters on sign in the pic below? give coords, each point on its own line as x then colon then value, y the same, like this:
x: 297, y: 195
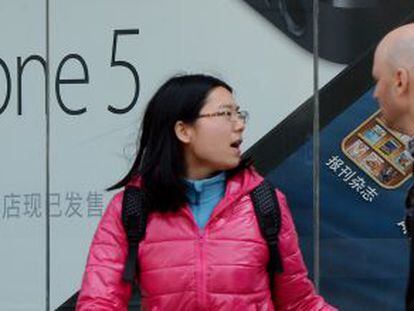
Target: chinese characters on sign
x: 350, y: 177
x: 62, y: 205
x: 401, y: 224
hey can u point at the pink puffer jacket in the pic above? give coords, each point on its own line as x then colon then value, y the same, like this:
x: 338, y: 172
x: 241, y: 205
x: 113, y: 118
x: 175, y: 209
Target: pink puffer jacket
x: 181, y: 267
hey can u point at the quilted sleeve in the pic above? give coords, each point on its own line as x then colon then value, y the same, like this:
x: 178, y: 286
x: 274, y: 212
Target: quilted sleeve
x: 102, y: 286
x: 292, y: 289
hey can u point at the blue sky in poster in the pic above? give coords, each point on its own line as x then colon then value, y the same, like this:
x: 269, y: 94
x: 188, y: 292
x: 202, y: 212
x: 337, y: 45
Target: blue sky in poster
x: 363, y: 250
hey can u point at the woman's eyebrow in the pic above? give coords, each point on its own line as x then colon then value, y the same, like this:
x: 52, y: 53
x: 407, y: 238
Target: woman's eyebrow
x: 230, y: 106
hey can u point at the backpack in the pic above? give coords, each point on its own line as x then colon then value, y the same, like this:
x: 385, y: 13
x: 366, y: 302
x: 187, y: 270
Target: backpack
x: 265, y: 204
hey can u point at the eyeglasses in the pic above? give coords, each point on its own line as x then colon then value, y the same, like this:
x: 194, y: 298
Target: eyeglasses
x: 231, y: 116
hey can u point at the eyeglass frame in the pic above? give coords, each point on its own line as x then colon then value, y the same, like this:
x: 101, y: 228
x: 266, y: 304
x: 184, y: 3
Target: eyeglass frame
x: 242, y: 115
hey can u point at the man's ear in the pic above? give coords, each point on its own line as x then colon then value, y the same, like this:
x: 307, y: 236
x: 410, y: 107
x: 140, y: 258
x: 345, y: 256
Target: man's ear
x: 183, y: 132
x: 402, y: 81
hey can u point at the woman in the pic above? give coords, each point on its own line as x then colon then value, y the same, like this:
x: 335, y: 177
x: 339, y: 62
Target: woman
x: 203, y: 249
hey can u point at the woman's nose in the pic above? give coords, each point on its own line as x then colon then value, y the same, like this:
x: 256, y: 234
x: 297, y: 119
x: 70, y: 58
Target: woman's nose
x: 240, y: 125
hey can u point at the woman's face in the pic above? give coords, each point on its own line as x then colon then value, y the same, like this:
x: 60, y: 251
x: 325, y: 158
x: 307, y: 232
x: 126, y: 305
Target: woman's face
x: 212, y: 142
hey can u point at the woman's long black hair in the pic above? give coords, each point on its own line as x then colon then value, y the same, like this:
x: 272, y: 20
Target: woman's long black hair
x: 160, y: 158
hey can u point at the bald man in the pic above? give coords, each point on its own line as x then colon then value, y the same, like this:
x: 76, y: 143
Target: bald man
x: 393, y: 72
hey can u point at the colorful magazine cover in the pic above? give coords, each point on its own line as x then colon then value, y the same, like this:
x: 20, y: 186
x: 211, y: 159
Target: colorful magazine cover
x: 374, y: 134
x: 403, y: 161
x: 373, y: 163
x: 357, y: 149
x: 390, y: 146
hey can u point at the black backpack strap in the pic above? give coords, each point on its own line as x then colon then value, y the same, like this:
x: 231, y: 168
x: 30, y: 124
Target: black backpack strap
x: 267, y: 210
x: 134, y: 220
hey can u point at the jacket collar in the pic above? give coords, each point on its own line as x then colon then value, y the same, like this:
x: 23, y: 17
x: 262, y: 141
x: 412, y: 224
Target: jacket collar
x: 237, y: 185
x: 204, y: 190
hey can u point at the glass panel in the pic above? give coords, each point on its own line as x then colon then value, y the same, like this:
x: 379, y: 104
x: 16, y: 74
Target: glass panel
x: 102, y: 73
x: 285, y: 154
x: 363, y: 181
x: 23, y: 156
x: 263, y: 49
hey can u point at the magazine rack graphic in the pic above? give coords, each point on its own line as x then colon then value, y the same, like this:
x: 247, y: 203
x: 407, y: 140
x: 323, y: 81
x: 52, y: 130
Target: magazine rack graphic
x: 380, y: 152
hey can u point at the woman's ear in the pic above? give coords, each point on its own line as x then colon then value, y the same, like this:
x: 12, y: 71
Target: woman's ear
x: 183, y: 132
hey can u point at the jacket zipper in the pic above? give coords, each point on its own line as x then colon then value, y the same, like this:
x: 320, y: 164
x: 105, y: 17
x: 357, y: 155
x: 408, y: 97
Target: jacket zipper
x: 202, y: 270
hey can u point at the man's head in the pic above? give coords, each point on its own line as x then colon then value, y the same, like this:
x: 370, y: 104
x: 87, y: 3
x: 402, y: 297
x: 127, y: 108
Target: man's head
x: 393, y: 71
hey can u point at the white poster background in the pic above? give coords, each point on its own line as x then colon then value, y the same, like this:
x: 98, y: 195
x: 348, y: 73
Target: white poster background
x: 22, y: 159
x: 270, y: 74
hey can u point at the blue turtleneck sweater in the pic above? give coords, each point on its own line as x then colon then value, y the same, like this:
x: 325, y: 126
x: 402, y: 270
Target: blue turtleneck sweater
x: 203, y: 195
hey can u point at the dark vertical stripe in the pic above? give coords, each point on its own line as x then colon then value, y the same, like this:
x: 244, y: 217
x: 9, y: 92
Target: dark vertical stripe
x: 47, y: 202
x: 316, y: 147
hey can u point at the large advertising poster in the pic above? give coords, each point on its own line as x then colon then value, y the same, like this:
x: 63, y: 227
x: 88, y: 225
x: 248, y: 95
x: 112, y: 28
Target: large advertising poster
x: 365, y: 172
x: 106, y: 59
x: 364, y: 177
